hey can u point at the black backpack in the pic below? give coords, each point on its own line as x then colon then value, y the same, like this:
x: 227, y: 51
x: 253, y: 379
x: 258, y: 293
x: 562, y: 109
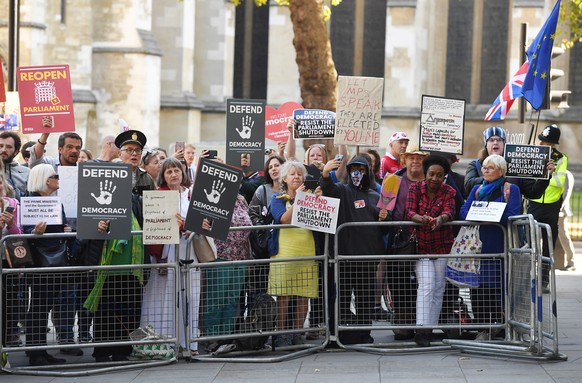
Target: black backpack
x: 259, y: 315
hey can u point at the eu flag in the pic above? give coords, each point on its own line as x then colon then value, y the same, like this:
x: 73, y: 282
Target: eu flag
x: 539, y: 55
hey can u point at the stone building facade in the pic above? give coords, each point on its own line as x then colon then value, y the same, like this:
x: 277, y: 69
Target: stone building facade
x: 167, y: 66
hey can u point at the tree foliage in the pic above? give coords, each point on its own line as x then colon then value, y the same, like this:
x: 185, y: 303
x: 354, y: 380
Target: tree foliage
x: 571, y: 18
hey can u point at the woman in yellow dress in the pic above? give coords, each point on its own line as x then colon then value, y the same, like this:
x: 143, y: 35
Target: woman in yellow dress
x: 292, y: 279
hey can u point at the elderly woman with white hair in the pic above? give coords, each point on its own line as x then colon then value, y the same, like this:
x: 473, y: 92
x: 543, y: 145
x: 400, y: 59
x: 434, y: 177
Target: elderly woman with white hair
x: 292, y: 279
x: 45, y: 288
x: 487, y: 300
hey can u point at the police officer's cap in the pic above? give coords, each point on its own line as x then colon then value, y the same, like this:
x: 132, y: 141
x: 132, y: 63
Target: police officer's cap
x: 130, y: 137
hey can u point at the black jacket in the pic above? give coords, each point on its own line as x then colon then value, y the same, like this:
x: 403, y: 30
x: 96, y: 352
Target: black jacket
x: 357, y: 204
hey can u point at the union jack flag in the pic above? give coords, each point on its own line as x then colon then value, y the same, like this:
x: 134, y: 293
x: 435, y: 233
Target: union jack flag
x: 512, y: 91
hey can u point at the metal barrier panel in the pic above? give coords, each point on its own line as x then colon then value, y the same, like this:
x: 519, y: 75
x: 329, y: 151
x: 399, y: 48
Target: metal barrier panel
x: 250, y: 309
x: 75, y: 312
x: 377, y: 303
x: 532, y: 313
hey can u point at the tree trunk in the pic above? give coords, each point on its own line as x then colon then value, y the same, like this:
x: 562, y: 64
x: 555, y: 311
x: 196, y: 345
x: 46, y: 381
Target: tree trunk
x: 317, y: 73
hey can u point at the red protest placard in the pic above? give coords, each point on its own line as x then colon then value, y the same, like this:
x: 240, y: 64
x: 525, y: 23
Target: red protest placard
x: 276, y: 121
x: 2, y: 89
x: 46, y: 99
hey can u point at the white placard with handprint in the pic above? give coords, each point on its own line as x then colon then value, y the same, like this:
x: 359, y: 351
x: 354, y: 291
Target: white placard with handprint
x: 41, y: 209
x: 245, y: 134
x: 69, y: 189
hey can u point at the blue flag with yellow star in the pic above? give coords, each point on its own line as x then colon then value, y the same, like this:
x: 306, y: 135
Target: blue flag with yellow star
x: 539, y: 56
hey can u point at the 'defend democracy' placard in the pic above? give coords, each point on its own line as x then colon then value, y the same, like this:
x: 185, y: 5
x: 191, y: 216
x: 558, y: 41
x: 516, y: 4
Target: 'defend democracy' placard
x: 313, y: 123
x: 315, y: 213
x: 213, y: 198
x: 245, y: 134
x: 104, y: 195
x: 527, y: 161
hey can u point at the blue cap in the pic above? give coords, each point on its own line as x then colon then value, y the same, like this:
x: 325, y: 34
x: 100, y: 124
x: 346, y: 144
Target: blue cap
x: 493, y: 131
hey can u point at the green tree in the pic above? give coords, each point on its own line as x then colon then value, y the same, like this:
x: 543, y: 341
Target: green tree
x: 317, y: 73
x: 571, y: 18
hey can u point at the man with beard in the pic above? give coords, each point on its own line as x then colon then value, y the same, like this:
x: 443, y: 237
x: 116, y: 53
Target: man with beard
x: 69, y: 146
x: 16, y: 174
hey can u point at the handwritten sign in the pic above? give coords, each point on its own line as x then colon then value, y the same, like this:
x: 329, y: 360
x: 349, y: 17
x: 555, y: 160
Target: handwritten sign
x: 276, y: 121
x: 442, y: 124
x: 483, y: 211
x: 315, y: 213
x: 359, y: 111
x: 160, y: 225
x: 45, y: 92
x: 313, y: 123
x: 527, y: 161
x: 41, y: 209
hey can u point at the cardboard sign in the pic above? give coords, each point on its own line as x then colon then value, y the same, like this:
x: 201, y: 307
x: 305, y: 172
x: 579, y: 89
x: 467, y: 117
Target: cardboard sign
x: 2, y: 88
x: 41, y: 209
x: 313, y: 123
x: 276, y: 121
x: 442, y: 124
x: 104, y: 195
x: 213, y: 197
x: 359, y: 111
x: 245, y: 134
x: 10, y: 112
x: 483, y: 211
x: 46, y: 99
x: 527, y: 161
x: 315, y: 213
x: 160, y: 225
x: 69, y: 189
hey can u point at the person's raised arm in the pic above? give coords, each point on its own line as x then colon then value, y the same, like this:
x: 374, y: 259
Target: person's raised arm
x: 291, y: 147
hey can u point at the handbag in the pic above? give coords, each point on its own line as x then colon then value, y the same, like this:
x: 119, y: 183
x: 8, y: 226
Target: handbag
x: 18, y: 253
x: 150, y: 351
x: 204, y: 248
x: 259, y: 239
x: 51, y: 254
x: 402, y: 245
x: 463, y: 271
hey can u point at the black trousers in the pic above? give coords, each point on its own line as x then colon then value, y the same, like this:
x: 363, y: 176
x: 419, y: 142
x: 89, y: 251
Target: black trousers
x: 546, y: 213
x: 118, y: 314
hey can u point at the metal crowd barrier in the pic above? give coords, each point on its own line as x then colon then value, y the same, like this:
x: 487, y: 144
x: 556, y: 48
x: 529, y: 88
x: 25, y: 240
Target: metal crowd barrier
x: 207, y: 307
x: 65, y: 289
x: 456, y: 319
x: 532, y: 330
x: 237, y: 339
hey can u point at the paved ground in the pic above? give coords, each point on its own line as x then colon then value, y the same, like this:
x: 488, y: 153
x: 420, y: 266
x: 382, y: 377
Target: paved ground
x: 335, y: 366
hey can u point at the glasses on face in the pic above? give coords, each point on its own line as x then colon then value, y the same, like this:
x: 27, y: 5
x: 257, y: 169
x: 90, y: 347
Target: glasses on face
x: 54, y: 177
x: 132, y: 151
x: 488, y: 169
x: 495, y: 139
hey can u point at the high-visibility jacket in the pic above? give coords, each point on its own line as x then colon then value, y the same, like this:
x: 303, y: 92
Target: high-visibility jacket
x: 555, y: 189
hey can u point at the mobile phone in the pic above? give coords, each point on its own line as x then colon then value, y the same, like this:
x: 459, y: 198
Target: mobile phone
x: 339, y: 157
x: 9, y: 209
x: 211, y: 154
x: 179, y: 146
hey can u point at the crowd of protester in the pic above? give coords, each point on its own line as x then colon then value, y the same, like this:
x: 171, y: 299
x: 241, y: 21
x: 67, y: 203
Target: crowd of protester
x: 413, y: 186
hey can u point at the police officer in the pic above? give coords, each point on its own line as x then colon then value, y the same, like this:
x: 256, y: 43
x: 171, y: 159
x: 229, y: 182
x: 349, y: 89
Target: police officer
x: 546, y: 209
